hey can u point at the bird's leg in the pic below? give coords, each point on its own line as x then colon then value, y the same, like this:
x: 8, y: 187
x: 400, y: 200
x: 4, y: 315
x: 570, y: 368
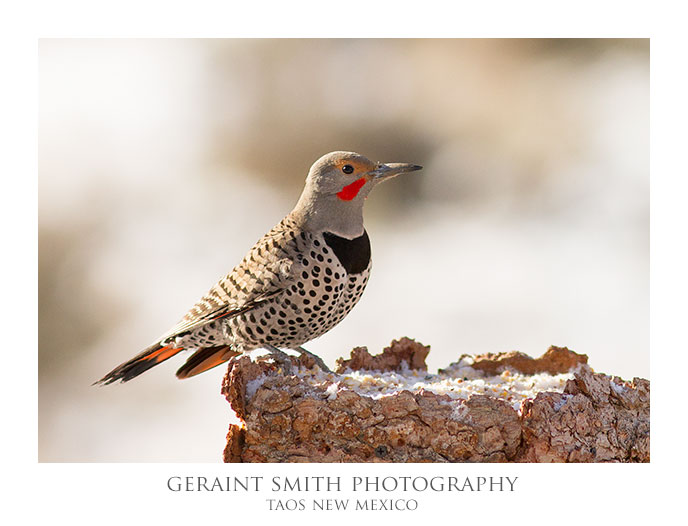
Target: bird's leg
x: 280, y: 357
x: 318, y: 361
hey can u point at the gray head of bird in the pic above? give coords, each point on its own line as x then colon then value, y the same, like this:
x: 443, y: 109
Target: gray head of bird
x: 336, y: 188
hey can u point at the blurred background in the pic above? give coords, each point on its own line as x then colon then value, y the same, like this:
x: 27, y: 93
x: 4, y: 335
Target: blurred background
x: 162, y: 161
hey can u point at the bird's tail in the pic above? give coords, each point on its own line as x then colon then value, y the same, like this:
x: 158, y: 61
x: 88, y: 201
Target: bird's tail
x: 204, y: 359
x: 149, y: 357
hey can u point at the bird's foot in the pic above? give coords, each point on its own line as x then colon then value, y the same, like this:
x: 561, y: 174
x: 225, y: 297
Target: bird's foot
x: 281, y: 358
x: 318, y: 361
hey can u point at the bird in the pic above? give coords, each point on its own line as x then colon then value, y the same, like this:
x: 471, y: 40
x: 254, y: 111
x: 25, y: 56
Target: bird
x: 296, y: 283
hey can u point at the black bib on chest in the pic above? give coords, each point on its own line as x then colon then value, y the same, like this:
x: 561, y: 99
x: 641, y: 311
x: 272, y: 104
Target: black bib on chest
x: 353, y: 254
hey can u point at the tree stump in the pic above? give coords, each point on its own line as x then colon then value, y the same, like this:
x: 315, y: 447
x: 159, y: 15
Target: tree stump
x: 505, y: 407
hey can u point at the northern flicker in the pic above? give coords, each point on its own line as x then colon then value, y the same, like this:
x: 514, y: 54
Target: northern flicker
x: 296, y: 283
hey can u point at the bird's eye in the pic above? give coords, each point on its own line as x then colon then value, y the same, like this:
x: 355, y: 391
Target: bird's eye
x: 348, y: 169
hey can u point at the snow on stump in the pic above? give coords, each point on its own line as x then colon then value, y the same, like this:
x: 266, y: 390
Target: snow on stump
x: 505, y: 407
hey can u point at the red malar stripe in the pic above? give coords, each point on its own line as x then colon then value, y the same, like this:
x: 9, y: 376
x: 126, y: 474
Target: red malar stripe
x: 351, y: 190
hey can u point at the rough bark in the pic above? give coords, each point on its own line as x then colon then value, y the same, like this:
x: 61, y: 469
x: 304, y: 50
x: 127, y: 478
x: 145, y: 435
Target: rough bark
x: 291, y: 411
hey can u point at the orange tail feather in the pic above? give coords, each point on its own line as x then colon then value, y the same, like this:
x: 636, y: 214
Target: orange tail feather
x: 204, y: 359
x: 140, y: 363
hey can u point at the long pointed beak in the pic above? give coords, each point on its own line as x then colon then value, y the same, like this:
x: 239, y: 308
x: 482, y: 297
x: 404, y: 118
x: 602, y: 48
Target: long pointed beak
x: 391, y: 169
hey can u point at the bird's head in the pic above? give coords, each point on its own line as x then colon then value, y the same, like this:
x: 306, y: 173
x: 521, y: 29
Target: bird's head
x: 349, y: 176
x: 336, y: 187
